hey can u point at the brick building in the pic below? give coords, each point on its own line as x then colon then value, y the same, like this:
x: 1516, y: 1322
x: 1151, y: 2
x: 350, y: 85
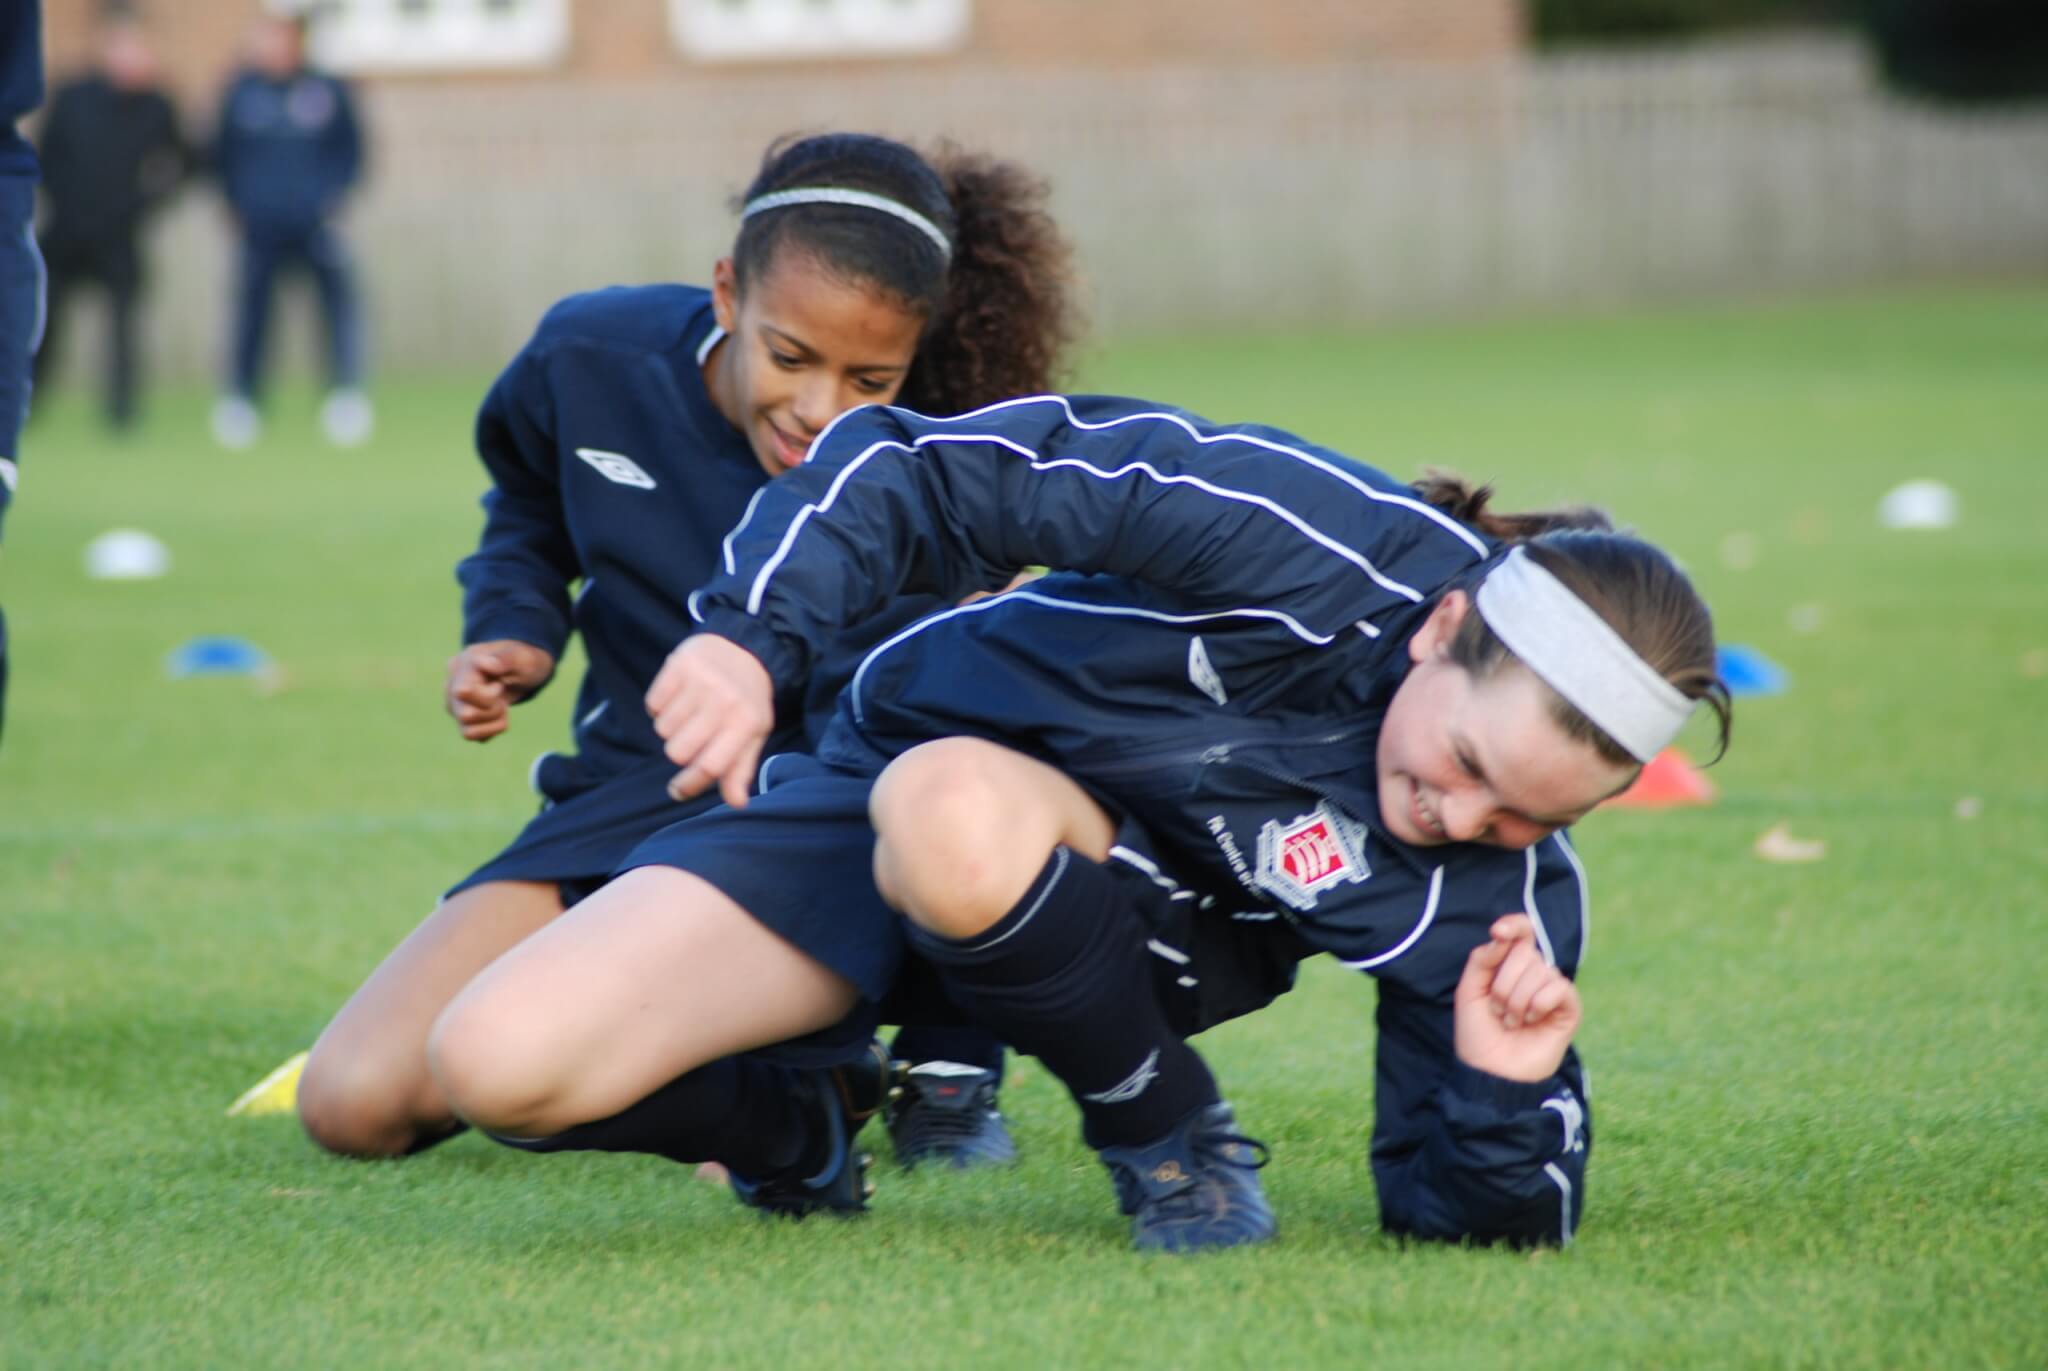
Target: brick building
x: 1293, y: 163
x: 603, y: 41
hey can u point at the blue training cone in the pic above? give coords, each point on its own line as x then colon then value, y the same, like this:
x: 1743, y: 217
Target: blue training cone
x: 217, y: 656
x: 1746, y: 671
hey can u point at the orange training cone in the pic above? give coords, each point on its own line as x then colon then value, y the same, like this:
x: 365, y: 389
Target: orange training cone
x: 1669, y: 781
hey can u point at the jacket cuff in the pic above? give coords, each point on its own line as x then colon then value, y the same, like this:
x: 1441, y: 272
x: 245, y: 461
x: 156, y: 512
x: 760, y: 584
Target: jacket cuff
x: 782, y: 664
x: 541, y: 628
x: 1509, y: 1097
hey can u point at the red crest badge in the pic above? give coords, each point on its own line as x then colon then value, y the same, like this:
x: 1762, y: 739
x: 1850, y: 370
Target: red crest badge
x: 1299, y: 860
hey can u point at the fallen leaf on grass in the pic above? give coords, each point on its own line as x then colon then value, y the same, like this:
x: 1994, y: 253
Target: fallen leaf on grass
x: 1778, y: 845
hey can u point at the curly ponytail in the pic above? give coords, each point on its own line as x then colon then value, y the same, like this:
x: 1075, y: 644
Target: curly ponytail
x: 1008, y: 317
x: 995, y: 301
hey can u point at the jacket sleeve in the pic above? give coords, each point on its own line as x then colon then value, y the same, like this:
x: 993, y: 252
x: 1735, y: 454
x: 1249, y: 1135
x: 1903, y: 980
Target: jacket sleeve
x: 223, y: 149
x: 345, y: 140
x: 1224, y: 518
x: 1459, y: 1154
x: 56, y: 141
x: 171, y: 159
x: 516, y: 584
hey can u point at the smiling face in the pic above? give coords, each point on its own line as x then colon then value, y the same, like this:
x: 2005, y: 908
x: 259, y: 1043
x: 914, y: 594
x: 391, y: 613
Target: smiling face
x: 1464, y: 759
x: 805, y: 346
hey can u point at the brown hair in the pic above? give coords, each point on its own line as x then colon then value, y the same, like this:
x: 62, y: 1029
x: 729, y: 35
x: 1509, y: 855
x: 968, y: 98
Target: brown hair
x: 997, y: 312
x: 1635, y: 588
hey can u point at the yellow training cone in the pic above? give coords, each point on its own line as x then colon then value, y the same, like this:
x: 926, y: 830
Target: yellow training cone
x: 277, y: 1093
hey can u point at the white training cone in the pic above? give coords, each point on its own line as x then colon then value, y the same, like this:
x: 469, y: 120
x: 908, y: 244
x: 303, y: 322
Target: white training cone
x: 1918, y: 504
x: 126, y: 554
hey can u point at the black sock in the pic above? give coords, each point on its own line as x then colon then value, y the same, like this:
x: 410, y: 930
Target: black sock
x: 1066, y: 977
x: 737, y: 1111
x: 961, y: 1043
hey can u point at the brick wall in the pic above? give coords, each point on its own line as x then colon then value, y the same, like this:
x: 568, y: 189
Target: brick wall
x: 196, y: 39
x: 1139, y: 31
x: 614, y: 40
x: 1270, y: 195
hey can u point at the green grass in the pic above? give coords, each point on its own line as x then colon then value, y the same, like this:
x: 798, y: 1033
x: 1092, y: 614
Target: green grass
x: 1820, y: 1090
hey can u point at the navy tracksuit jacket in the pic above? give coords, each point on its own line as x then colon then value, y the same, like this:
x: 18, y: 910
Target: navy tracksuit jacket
x: 611, y: 467
x: 287, y: 151
x: 21, y: 274
x: 1215, y: 665
x: 21, y: 269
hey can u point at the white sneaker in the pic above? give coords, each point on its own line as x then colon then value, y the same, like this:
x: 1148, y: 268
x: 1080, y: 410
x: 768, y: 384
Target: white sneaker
x: 347, y: 418
x: 236, y: 424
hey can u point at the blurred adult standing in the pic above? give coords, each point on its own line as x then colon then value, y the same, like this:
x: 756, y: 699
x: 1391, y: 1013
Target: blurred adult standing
x: 21, y: 270
x: 288, y: 153
x: 111, y: 152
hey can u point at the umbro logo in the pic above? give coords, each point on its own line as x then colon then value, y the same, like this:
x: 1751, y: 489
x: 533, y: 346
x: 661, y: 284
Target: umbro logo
x: 616, y: 466
x: 1131, y: 1086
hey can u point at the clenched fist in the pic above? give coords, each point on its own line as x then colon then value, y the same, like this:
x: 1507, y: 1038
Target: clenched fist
x: 486, y: 679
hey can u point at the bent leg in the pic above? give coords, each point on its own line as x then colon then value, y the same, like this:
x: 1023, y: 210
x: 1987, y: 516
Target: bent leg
x: 654, y: 976
x: 997, y: 860
x: 366, y: 1091
x: 963, y: 827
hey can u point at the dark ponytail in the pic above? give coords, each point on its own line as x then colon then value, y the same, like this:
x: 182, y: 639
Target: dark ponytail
x: 996, y: 307
x: 1467, y: 503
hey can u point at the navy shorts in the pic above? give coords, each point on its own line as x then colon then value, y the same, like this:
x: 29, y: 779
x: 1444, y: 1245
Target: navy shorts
x: 588, y: 827
x: 800, y: 859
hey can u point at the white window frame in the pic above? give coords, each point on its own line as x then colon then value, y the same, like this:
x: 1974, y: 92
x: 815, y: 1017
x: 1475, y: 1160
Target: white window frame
x: 777, y: 30
x: 380, y: 36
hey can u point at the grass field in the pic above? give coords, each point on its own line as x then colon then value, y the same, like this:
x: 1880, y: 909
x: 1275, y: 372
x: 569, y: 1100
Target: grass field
x: 1821, y: 1090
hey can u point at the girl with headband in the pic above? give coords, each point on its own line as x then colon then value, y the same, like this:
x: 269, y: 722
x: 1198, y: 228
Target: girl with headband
x: 622, y: 444
x: 1281, y: 705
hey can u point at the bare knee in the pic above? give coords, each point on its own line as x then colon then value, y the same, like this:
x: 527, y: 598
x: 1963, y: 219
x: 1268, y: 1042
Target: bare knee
x: 483, y: 1060
x: 958, y: 838
x: 354, y: 1106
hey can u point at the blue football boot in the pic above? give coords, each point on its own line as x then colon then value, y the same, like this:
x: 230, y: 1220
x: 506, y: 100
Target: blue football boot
x: 1194, y: 1189
x: 945, y: 1112
x: 838, y: 1101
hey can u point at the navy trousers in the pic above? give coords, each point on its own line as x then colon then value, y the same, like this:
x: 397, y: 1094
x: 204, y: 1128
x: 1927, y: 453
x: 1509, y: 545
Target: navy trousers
x: 269, y: 249
x: 21, y: 327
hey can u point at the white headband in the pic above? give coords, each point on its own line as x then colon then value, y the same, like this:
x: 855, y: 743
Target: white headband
x: 1559, y: 637
x: 831, y: 195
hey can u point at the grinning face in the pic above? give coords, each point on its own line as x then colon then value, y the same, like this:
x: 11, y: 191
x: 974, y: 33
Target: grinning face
x: 805, y: 346
x: 1466, y: 760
